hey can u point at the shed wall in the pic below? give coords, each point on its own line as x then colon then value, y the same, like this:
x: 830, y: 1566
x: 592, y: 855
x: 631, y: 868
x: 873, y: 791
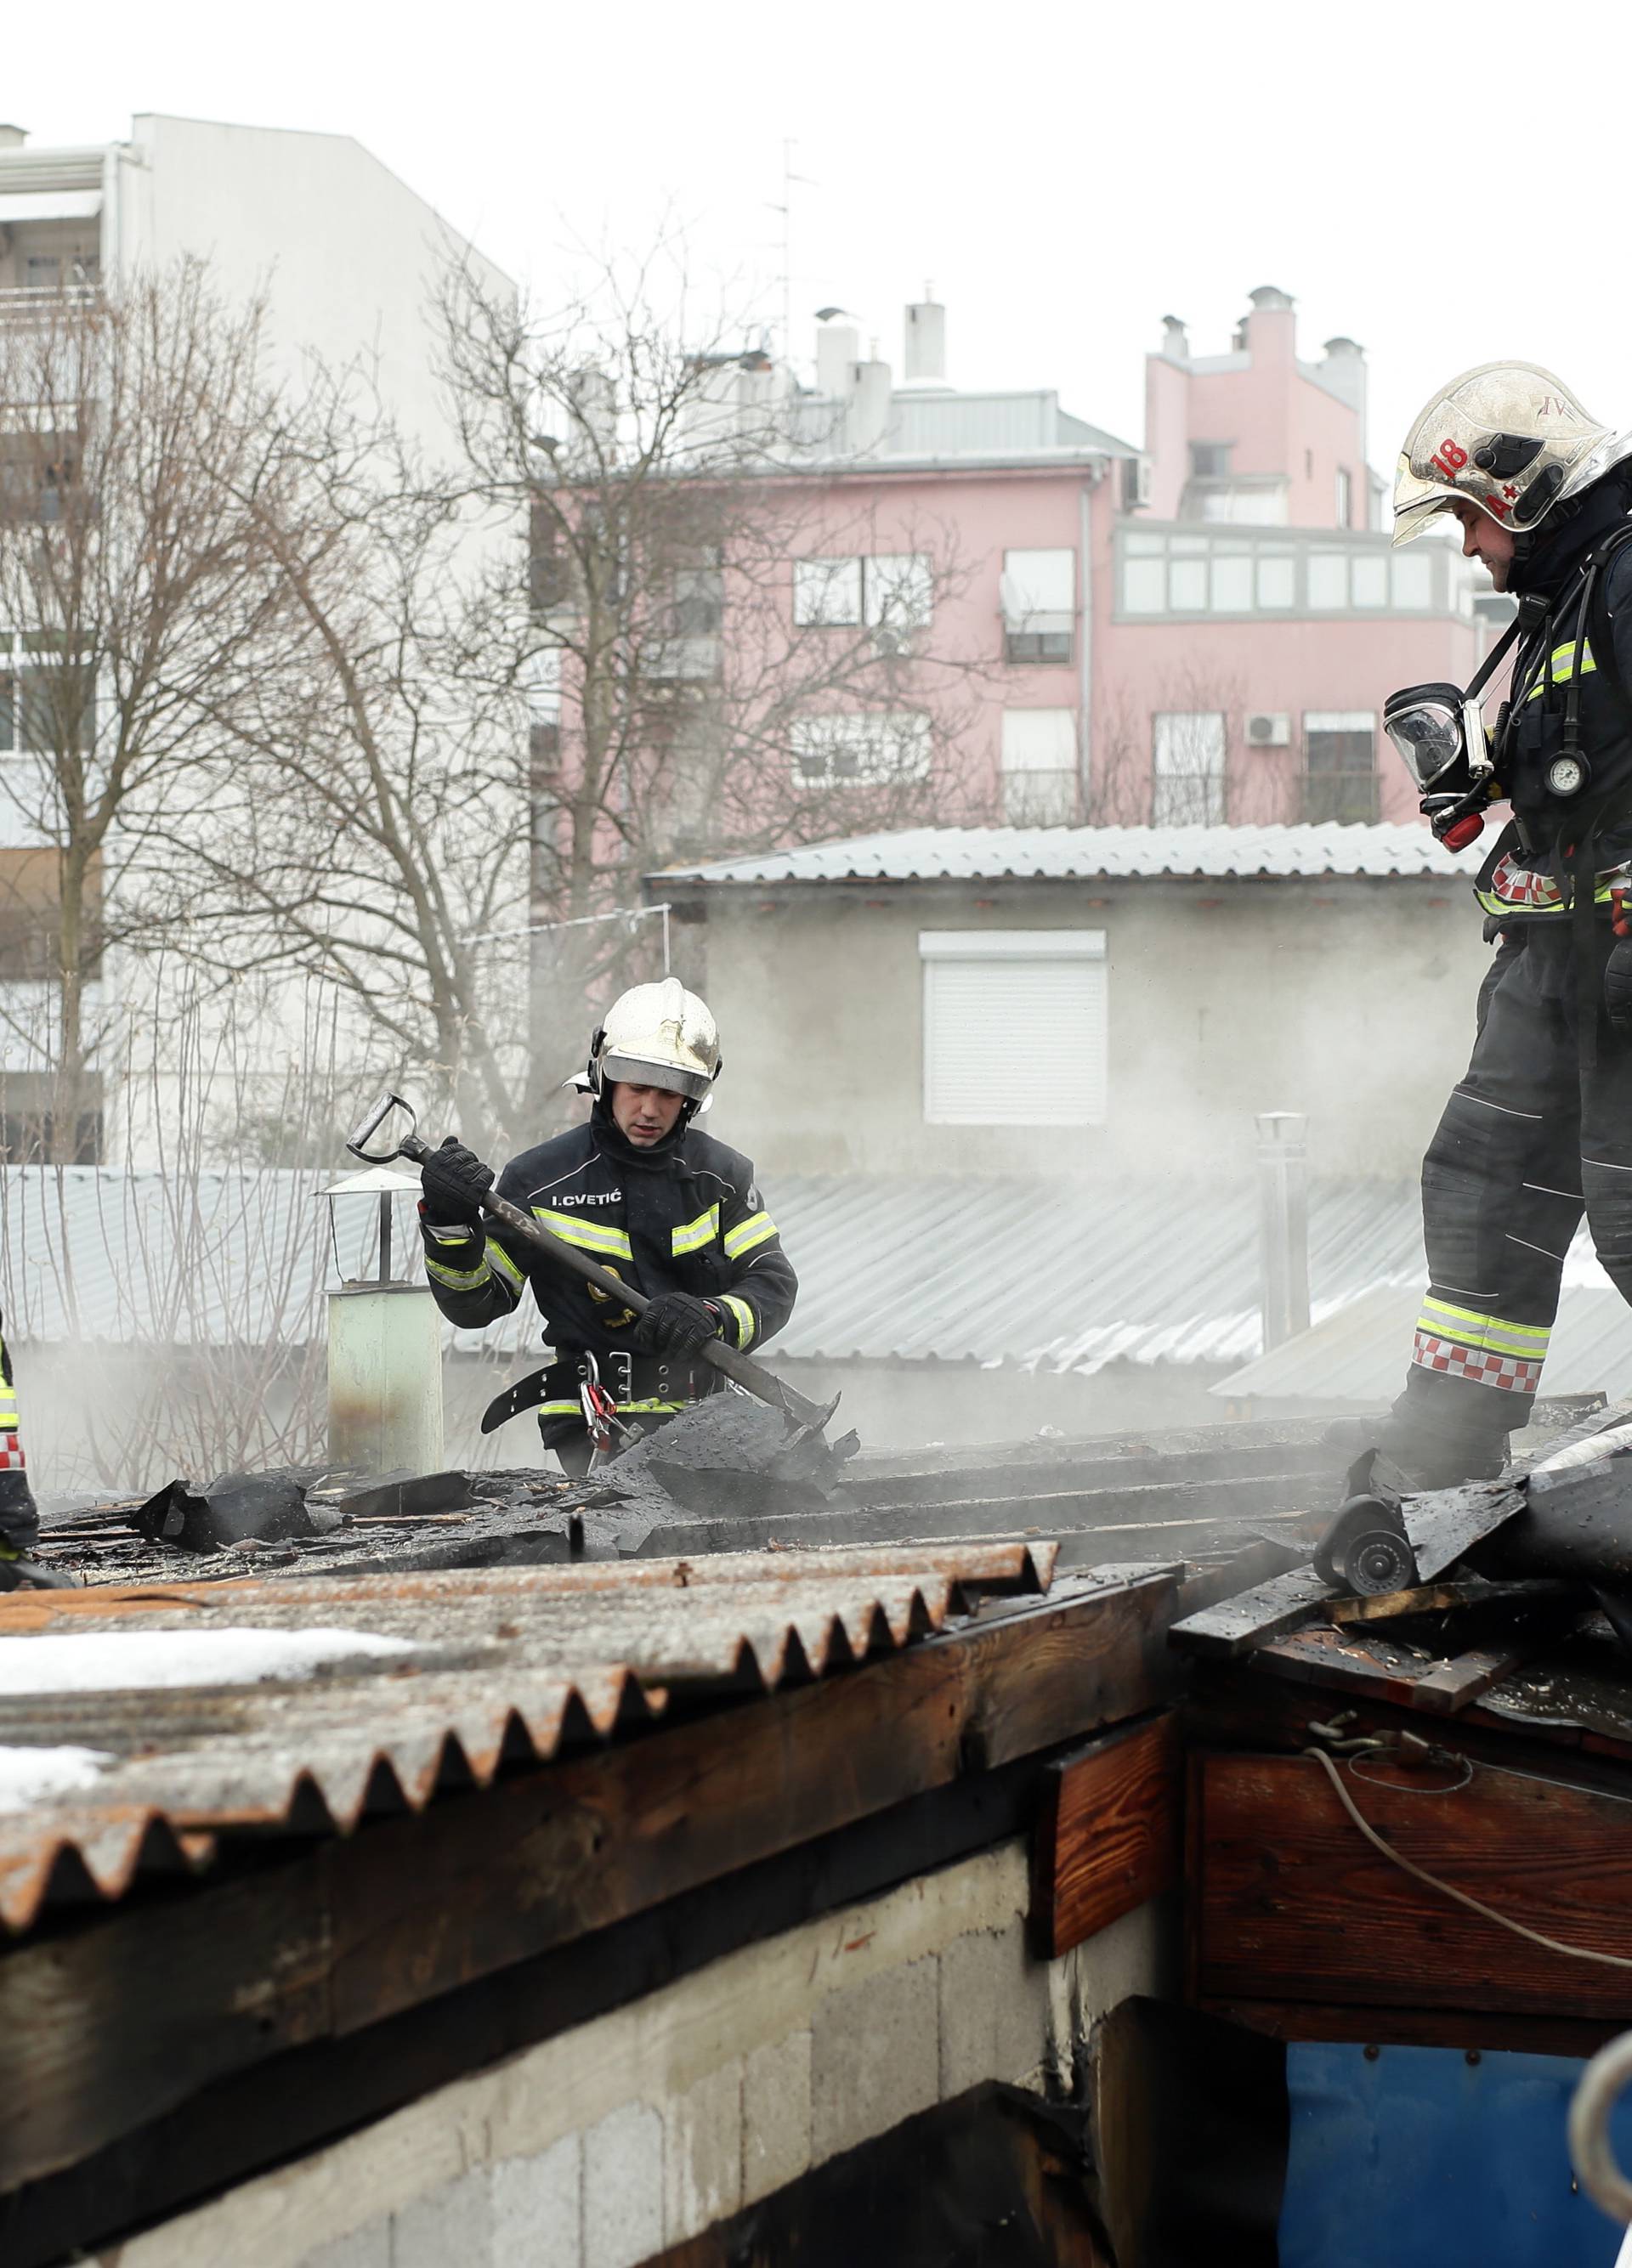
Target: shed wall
x: 1350, y: 1000
x: 641, y: 2128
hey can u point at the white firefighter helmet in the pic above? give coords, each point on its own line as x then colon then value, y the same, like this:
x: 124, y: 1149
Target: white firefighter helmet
x: 1508, y: 436
x: 657, y: 1035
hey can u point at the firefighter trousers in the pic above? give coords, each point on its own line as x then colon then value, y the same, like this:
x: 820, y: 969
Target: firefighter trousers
x: 1537, y: 1132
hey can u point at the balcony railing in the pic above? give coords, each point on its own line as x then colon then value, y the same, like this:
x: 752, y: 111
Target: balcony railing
x: 24, y: 304
x: 1350, y: 798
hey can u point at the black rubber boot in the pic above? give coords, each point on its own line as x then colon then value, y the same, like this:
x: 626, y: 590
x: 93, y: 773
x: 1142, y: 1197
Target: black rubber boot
x: 1423, y: 1450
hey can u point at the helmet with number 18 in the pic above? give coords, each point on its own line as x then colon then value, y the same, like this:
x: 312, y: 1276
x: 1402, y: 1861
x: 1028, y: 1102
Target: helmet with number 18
x: 1508, y: 436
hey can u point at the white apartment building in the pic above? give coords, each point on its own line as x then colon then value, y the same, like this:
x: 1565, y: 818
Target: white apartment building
x: 348, y: 259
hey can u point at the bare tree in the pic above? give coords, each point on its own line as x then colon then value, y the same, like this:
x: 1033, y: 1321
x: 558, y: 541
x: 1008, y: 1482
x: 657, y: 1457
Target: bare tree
x: 132, y: 606
x: 728, y: 645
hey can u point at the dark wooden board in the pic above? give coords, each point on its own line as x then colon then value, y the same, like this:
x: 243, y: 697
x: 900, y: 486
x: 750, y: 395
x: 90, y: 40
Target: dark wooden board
x: 1292, y: 1904
x: 1242, y: 1623
x: 1108, y: 1833
x: 120, y: 2015
x: 1467, y: 2028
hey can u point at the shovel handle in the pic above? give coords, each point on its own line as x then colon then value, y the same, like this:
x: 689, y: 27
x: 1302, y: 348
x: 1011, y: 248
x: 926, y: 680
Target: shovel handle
x: 747, y: 1374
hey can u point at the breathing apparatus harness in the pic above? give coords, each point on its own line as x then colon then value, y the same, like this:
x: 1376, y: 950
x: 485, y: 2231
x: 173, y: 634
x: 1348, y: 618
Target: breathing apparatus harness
x: 1463, y: 766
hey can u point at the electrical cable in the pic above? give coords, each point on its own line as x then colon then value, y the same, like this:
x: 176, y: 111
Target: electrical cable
x: 1447, y: 1889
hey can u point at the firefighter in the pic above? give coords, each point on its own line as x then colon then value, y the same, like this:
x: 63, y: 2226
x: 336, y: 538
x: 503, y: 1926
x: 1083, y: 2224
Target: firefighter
x: 19, y: 1520
x: 646, y: 1193
x: 1541, y: 1128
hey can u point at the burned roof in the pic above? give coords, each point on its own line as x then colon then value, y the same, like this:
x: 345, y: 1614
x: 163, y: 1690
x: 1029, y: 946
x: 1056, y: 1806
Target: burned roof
x: 140, y: 1728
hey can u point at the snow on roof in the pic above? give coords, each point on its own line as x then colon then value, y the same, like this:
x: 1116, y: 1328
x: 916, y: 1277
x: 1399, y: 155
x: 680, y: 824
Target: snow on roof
x: 1391, y: 849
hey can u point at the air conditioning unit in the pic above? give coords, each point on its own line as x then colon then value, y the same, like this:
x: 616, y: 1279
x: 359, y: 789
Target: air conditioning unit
x: 1135, y: 483
x: 1265, y: 730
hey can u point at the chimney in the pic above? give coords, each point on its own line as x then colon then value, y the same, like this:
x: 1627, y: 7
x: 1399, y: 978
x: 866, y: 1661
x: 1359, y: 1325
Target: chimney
x: 1344, y: 371
x: 1175, y: 339
x: 1271, y: 327
x: 869, y: 407
x: 838, y: 348
x: 12, y: 138
x: 1283, y: 1215
x: 925, y: 341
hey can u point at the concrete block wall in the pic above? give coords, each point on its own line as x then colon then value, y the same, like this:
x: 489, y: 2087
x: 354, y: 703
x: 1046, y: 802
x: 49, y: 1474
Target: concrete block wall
x: 636, y: 2131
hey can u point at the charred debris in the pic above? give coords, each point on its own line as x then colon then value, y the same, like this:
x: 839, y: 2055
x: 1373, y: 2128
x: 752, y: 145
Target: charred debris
x: 728, y: 1476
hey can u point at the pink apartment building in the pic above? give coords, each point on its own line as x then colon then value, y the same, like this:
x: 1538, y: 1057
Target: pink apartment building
x: 1203, y: 630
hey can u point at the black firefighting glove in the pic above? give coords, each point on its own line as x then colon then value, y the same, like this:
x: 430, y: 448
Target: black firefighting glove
x: 18, y: 1573
x: 1618, y: 985
x: 452, y: 1181
x: 677, y: 1324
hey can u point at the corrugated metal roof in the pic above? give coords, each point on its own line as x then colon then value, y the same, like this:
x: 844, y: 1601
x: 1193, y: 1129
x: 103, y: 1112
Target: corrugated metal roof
x: 219, y: 1258
x: 890, y: 1269
x: 1084, y: 853
x: 486, y: 1670
x: 1062, y: 1276
x: 1358, y: 1353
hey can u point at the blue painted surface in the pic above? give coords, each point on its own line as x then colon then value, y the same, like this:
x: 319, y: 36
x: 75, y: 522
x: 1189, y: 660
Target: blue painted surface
x: 1422, y: 2159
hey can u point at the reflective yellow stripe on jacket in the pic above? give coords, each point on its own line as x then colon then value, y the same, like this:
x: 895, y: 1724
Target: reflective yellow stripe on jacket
x: 1562, y: 666
x: 758, y: 1228
x: 697, y: 1233
x: 741, y: 1314
x: 588, y: 1235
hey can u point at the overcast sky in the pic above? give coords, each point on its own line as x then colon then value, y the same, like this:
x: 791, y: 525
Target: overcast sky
x: 1444, y: 183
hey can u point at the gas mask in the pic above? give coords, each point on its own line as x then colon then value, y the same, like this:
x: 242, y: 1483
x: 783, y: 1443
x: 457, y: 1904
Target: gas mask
x: 1440, y: 733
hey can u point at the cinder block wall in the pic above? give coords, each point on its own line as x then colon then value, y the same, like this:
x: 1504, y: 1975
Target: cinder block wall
x: 639, y: 2130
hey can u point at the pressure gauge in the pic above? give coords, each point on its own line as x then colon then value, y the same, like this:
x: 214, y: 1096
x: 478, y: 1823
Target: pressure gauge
x: 1567, y: 775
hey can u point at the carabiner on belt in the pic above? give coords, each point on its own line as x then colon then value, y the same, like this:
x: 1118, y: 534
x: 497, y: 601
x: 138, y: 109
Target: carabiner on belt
x: 601, y: 1414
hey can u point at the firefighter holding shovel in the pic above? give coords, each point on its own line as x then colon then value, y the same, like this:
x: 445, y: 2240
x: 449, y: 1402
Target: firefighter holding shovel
x: 641, y: 1191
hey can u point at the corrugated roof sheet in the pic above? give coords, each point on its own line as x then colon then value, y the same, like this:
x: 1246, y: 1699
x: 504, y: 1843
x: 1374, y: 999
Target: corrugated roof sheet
x: 1064, y: 1276
x: 890, y: 1269
x: 1096, y: 853
x: 1358, y: 1352
x: 488, y: 1668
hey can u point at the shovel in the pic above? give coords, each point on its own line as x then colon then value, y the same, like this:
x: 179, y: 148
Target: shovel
x: 806, y: 1417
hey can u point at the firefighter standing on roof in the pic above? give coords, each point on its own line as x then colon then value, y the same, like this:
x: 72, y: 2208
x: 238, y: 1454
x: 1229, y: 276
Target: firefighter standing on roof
x: 1541, y: 1128
x: 644, y: 1191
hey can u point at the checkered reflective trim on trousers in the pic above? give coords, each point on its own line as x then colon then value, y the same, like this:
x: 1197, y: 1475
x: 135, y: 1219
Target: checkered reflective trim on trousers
x: 1511, y: 1373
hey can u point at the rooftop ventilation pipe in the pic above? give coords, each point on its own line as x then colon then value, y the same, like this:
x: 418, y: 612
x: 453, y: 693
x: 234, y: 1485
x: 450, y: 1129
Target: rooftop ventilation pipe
x: 1283, y: 1218
x: 926, y: 340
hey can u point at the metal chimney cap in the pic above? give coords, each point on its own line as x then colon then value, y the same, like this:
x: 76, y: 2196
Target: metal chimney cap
x: 1269, y: 298
x: 372, y: 1182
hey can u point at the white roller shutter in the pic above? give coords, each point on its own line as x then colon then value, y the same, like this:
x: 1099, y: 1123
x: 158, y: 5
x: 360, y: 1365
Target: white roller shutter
x: 1014, y: 1028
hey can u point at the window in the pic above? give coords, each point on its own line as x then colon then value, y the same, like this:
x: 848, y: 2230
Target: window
x: 1189, y: 785
x: 897, y: 590
x: 1411, y: 574
x: 47, y: 703
x: 860, y: 747
x: 1196, y: 569
x: 1039, y: 760
x: 1039, y: 592
x: 1015, y: 1027
x: 892, y: 591
x: 1210, y: 461
x: 1339, y: 766
x: 1328, y: 581
x: 1345, y: 498
x: 699, y: 603
x: 826, y: 592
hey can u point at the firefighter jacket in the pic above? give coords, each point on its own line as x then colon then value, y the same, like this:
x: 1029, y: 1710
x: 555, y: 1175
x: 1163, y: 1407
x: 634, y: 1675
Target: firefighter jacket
x: 1583, y: 652
x: 19, y: 1522
x: 683, y: 1216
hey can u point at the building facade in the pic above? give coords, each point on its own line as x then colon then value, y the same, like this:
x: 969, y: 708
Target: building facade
x: 1200, y: 631
x: 1106, y: 1002
x: 344, y: 261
